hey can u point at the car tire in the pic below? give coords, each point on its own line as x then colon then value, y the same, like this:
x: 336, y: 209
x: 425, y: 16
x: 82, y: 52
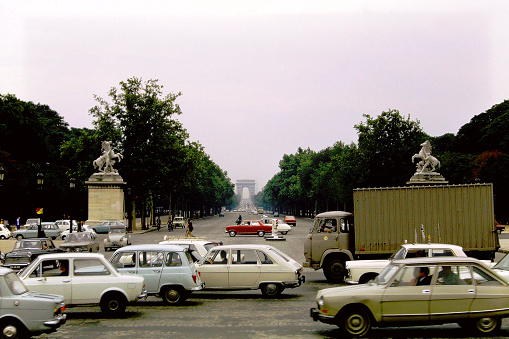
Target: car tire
x: 284, y: 233
x: 19, y: 237
x: 334, y: 270
x: 232, y: 233
x: 355, y: 322
x: 113, y: 303
x: 2, y: 237
x: 261, y: 233
x: 63, y: 237
x: 12, y: 328
x: 173, y: 295
x: 485, y: 325
x: 271, y: 290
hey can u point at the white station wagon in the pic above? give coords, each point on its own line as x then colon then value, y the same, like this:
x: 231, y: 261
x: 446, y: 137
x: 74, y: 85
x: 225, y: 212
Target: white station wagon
x: 84, y: 279
x: 250, y: 267
x: 168, y: 270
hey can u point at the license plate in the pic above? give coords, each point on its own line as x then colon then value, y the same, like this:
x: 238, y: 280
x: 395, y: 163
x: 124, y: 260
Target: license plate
x: 17, y: 267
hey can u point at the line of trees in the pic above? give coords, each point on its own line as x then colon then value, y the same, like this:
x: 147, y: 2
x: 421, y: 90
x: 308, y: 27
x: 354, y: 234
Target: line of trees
x: 162, y: 168
x: 310, y: 182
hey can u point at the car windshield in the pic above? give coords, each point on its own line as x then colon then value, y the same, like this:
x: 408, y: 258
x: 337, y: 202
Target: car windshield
x: 117, y: 230
x: 400, y: 254
x: 15, y: 284
x: 503, y: 264
x: 386, y: 275
x: 20, y: 245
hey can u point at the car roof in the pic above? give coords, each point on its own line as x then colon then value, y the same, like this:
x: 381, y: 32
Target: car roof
x: 431, y: 245
x: 437, y: 260
x: 154, y: 247
x: 69, y: 255
x: 244, y: 246
x: 333, y: 214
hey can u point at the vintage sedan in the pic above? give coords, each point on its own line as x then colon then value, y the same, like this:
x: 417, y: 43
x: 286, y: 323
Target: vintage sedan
x: 290, y: 220
x: 50, y: 230
x: 197, y: 247
x: 249, y: 227
x: 179, y: 222
x: 250, y: 267
x: 84, y: 228
x: 81, y: 242
x: 84, y: 279
x: 26, y: 250
x: 23, y: 313
x: 104, y: 227
x: 169, y: 271
x: 5, y: 233
x: 281, y: 226
x: 419, y: 291
x: 117, y: 237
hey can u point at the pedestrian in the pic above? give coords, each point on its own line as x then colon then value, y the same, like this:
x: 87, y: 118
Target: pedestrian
x: 18, y: 223
x: 158, y: 222
x: 190, y: 228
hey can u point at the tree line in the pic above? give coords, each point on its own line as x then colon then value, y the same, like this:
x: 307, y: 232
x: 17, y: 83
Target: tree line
x: 164, y: 170
x: 310, y: 182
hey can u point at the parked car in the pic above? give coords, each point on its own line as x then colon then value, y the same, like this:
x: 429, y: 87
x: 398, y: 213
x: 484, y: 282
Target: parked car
x: 281, y: 226
x: 84, y: 228
x: 5, y: 233
x: 31, y: 221
x: 276, y: 214
x: 249, y: 227
x: 27, y: 250
x: 65, y: 225
x: 500, y: 228
x: 221, y: 214
x: 23, y: 313
x: 290, y: 220
x: 84, y: 279
x: 250, y: 267
x: 104, y: 227
x: 179, y: 222
x: 81, y: 242
x: 117, y: 237
x: 502, y: 267
x: 169, y: 271
x: 197, y: 247
x: 50, y: 230
x: 362, y: 271
x: 453, y: 290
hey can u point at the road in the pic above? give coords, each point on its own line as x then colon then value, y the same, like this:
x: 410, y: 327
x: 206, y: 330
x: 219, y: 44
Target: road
x: 240, y: 314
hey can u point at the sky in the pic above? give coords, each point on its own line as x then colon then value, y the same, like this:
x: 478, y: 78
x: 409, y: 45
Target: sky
x: 259, y: 79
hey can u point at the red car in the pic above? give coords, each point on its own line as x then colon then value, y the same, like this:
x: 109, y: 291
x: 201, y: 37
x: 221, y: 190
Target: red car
x: 290, y: 220
x: 249, y: 227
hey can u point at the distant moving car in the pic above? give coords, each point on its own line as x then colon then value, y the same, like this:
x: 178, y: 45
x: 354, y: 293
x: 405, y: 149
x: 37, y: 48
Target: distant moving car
x: 23, y: 313
x: 5, y: 233
x: 50, y: 230
x: 290, y: 220
x: 104, y: 227
x: 84, y: 279
x: 27, y: 250
x: 81, y: 242
x: 250, y: 267
x: 117, y: 237
x: 84, y: 228
x: 197, y: 247
x: 249, y: 227
x: 169, y: 271
x: 276, y: 214
x: 281, y: 226
x: 179, y: 222
x: 221, y: 214
x: 419, y: 291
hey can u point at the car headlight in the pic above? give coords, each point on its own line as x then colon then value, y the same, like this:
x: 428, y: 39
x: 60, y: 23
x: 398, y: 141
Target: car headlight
x: 320, y: 302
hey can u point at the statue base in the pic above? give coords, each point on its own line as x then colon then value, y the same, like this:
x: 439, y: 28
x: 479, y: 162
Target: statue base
x: 427, y: 178
x: 105, y: 198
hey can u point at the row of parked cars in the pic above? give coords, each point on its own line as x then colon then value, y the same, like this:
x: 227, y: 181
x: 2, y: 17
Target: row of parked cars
x: 171, y: 270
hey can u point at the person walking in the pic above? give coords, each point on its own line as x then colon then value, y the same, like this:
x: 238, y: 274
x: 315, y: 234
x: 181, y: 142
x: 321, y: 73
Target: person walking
x: 158, y: 222
x: 18, y: 223
x: 190, y: 228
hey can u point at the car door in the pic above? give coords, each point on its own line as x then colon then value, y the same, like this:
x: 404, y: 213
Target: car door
x: 244, y: 270
x: 31, y: 232
x: 90, y: 277
x: 403, y: 300
x: 214, y: 270
x: 491, y: 294
x: 45, y: 278
x: 150, y: 266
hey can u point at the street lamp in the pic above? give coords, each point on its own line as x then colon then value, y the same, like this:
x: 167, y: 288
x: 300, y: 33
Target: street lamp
x: 72, y: 186
x: 40, y: 182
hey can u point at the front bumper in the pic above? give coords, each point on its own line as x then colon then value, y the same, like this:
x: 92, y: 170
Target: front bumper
x: 318, y: 316
x: 143, y: 295
x: 57, y: 321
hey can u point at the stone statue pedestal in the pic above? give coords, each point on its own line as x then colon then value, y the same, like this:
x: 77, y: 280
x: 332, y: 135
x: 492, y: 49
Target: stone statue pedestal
x: 427, y: 178
x: 105, y: 198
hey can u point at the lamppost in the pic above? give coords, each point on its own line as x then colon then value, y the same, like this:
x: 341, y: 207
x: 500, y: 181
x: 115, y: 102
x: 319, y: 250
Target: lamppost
x: 40, y: 182
x: 72, y: 185
x: 2, y: 176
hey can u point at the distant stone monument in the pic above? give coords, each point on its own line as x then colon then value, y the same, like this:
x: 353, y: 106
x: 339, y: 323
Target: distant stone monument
x: 425, y: 173
x: 105, y: 189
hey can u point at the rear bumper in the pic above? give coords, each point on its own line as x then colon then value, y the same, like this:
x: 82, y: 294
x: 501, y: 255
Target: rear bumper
x: 294, y: 283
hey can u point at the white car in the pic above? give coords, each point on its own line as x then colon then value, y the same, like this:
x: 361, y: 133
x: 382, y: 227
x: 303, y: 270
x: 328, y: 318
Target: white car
x: 281, y: 226
x: 4, y: 232
x: 197, y: 247
x: 84, y: 279
x: 250, y: 267
x: 502, y: 268
x: 117, y: 237
x: 362, y: 271
x: 84, y: 228
x: 64, y: 225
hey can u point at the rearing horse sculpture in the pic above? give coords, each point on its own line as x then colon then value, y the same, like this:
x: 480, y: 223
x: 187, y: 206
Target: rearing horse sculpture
x: 427, y: 159
x: 105, y: 162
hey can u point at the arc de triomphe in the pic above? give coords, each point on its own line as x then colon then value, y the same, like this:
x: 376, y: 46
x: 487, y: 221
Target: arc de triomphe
x: 250, y: 184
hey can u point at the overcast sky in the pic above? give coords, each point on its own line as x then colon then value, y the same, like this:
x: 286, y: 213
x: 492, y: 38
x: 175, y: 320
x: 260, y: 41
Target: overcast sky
x: 261, y: 78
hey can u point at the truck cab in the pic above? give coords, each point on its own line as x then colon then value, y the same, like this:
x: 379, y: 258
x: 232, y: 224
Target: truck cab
x: 329, y: 244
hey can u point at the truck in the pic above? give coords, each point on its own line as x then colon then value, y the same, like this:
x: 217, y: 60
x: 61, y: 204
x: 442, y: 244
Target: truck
x: 385, y: 218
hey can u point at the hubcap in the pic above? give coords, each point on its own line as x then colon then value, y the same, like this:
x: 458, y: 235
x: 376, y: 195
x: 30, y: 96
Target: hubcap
x: 10, y: 331
x: 172, y: 295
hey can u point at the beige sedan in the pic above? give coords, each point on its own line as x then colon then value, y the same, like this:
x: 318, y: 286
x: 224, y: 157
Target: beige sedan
x: 420, y: 291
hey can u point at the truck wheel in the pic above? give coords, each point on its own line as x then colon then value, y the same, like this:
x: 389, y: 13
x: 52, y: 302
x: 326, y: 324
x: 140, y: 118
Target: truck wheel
x: 355, y: 322
x: 334, y: 270
x: 232, y: 233
x: 113, y: 303
x: 173, y: 295
x: 12, y: 328
x: 261, y: 233
x: 366, y: 277
x: 271, y: 290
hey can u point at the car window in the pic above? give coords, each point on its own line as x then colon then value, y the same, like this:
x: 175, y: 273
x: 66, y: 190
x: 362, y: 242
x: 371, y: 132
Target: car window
x: 209, y: 245
x: 483, y: 278
x: 442, y: 253
x: 173, y: 259
x: 52, y: 268
x: 414, y: 276
x: 124, y: 260
x: 244, y: 257
x: 264, y: 258
x: 454, y: 275
x: 90, y: 267
x: 386, y: 275
x: 150, y: 259
x: 218, y: 257
x: 345, y: 225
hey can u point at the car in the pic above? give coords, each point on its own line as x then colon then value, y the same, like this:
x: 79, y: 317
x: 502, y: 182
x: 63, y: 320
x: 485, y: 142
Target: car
x: 500, y: 228
x: 197, y: 247
x: 290, y: 220
x: 281, y: 226
x: 179, y: 222
x: 81, y: 242
x: 104, y: 227
x: 168, y: 270
x: 502, y: 267
x: 84, y: 279
x: 65, y: 225
x: 250, y: 267
x: 459, y: 290
x: 27, y: 250
x: 24, y: 314
x: 5, y: 233
x: 221, y: 214
x: 31, y: 221
x: 117, y: 237
x: 50, y: 230
x: 276, y: 214
x: 362, y: 271
x: 84, y: 228
x: 249, y: 227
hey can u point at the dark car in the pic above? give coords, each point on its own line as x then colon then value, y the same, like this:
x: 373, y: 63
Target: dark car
x: 26, y: 250
x: 104, y: 227
x: 81, y: 242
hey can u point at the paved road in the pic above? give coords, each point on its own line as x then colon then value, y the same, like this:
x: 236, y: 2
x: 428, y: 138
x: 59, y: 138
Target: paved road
x: 242, y: 314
